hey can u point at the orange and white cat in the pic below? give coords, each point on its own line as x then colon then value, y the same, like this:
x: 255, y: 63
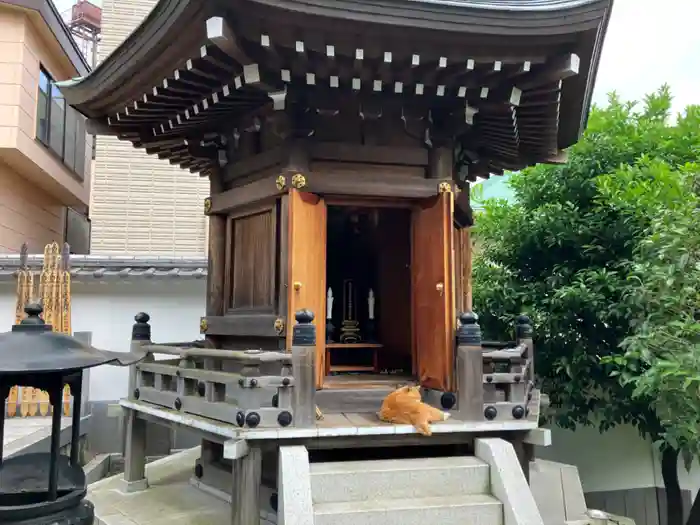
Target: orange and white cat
x: 404, y: 406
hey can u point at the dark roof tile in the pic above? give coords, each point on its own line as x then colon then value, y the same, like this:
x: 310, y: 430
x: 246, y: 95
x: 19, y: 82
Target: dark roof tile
x: 116, y: 267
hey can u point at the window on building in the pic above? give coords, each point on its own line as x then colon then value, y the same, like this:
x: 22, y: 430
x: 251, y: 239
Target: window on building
x: 60, y: 127
x: 42, y: 120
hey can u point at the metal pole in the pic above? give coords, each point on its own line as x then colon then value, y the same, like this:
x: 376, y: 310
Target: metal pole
x: 4, y: 392
x: 77, y: 391
x: 55, y: 396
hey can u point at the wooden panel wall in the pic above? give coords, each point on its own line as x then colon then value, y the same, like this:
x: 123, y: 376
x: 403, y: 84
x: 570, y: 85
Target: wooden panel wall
x: 251, y: 269
x: 387, y: 131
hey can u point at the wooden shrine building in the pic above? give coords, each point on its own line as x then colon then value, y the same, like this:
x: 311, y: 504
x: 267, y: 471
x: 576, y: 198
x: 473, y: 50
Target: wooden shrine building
x: 340, y: 139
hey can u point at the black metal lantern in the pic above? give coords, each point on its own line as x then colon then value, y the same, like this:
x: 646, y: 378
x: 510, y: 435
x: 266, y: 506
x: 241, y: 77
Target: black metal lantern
x: 43, y: 488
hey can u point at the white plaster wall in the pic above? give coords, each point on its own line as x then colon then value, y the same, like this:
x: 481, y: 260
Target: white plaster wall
x: 587, y: 449
x: 616, y: 460
x: 107, y: 310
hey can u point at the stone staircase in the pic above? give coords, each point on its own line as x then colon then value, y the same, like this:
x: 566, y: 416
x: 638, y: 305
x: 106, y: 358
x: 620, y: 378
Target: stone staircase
x: 488, y: 488
x: 426, y: 491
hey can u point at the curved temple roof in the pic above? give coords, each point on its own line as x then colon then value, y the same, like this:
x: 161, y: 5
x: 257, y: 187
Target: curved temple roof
x: 510, y: 79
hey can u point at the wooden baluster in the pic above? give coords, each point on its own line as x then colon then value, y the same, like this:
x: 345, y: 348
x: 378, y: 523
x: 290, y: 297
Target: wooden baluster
x: 285, y: 393
x: 523, y: 334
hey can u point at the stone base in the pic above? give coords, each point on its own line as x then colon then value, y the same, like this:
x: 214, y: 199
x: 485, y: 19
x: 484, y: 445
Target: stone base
x: 132, y: 486
x: 171, y: 498
x: 83, y: 514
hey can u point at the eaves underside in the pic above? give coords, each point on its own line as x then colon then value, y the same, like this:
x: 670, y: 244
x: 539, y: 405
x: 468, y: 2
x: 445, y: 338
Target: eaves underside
x: 165, y: 87
x: 172, y: 26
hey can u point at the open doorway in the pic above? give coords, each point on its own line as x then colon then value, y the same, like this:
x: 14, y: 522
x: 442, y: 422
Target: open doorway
x: 368, y: 306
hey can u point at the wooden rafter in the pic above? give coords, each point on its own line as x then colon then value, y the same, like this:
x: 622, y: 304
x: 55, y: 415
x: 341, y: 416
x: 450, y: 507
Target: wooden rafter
x: 511, y: 102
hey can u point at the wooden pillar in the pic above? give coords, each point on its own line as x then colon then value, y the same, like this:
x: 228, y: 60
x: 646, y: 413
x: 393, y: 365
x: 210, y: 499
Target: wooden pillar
x: 298, y: 156
x: 525, y: 452
x: 467, y: 270
x: 245, y: 500
x: 463, y: 269
x: 217, y: 251
x: 470, y: 369
x: 440, y: 163
x: 215, y: 271
x: 135, y: 453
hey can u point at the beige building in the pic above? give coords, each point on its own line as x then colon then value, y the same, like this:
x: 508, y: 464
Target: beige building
x: 45, y: 154
x: 141, y: 204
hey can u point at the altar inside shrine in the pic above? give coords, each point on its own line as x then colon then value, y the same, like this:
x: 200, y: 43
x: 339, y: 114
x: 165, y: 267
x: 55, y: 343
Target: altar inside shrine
x: 369, y: 292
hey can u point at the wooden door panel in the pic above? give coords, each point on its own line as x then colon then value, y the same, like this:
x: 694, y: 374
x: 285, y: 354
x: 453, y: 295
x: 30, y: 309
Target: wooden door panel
x: 307, y: 268
x: 432, y: 267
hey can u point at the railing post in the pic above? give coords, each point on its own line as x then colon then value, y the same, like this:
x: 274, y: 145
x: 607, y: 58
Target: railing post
x: 140, y: 336
x: 470, y: 369
x: 304, y: 369
x: 134, y: 450
x: 523, y: 335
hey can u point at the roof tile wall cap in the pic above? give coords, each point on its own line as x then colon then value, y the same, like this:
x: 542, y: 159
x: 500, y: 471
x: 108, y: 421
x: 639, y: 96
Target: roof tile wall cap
x: 114, y: 260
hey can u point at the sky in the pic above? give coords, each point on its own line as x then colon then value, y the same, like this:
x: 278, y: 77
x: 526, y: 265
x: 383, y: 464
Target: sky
x: 649, y: 43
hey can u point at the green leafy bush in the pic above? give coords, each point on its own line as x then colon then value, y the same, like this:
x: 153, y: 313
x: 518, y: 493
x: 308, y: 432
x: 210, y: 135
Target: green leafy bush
x: 604, y: 254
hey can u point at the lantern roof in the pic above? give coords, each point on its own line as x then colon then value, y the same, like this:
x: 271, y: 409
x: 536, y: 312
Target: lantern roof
x: 31, y: 349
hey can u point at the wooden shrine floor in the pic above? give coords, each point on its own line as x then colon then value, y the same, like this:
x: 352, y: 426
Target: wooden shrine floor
x: 383, y: 381
x: 355, y: 424
x: 357, y: 392
x: 333, y: 425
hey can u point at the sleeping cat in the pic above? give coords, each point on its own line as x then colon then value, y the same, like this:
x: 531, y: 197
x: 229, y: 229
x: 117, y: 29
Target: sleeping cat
x: 404, y: 406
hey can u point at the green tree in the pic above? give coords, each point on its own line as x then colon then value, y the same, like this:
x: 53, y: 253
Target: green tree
x: 563, y: 252
x: 662, y: 355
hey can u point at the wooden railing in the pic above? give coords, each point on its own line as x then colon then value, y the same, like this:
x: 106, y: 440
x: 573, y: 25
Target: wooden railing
x: 495, y: 381
x: 230, y: 385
